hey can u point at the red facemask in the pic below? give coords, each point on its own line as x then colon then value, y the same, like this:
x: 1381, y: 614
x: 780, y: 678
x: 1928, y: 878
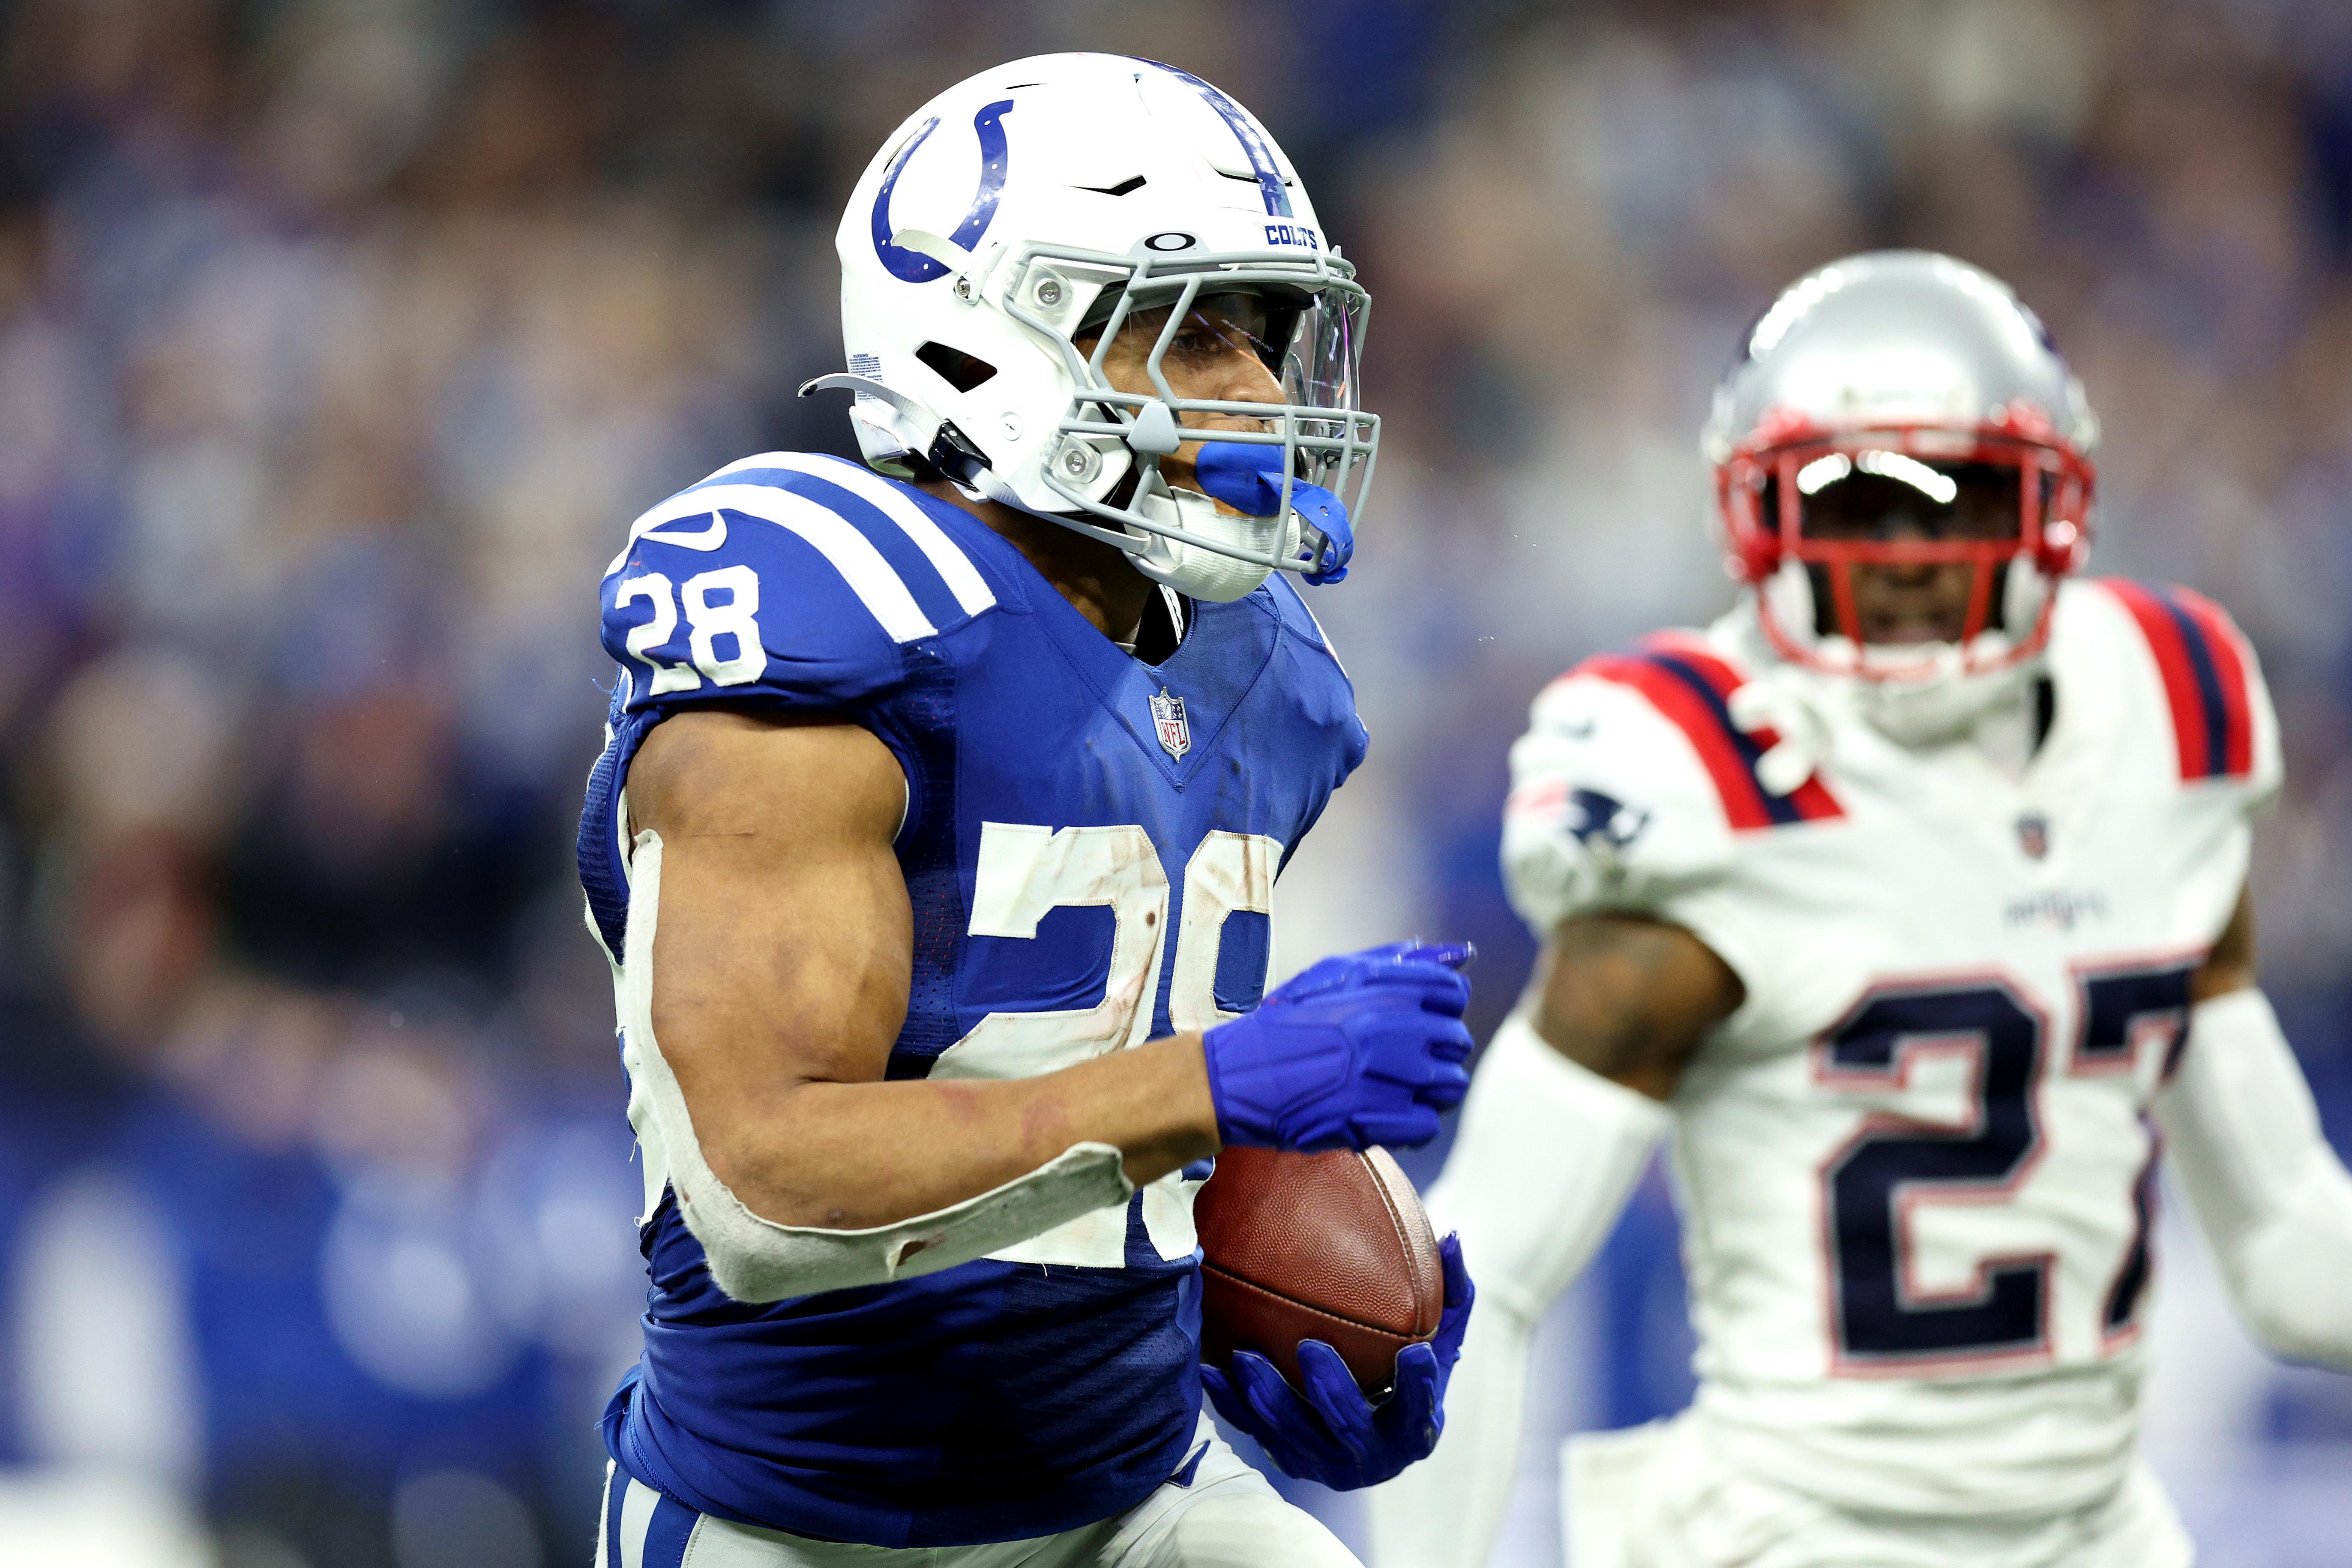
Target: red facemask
x: 1778, y: 493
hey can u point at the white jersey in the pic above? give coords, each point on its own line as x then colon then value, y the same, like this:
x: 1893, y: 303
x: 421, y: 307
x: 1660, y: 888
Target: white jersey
x: 1914, y: 1167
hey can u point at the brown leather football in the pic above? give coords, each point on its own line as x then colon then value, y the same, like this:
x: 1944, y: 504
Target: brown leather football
x: 1330, y: 1247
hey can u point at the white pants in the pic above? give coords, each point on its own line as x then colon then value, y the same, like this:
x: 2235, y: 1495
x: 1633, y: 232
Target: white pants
x: 1655, y: 1496
x: 1225, y: 1517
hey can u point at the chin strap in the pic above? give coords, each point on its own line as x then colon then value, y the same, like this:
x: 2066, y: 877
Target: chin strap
x: 1243, y: 475
x: 1948, y: 706
x: 944, y: 447
x: 1795, y: 689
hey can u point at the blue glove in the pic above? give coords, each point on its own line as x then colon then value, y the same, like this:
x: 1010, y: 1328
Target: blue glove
x: 1248, y: 478
x: 1333, y: 1433
x: 1361, y: 1050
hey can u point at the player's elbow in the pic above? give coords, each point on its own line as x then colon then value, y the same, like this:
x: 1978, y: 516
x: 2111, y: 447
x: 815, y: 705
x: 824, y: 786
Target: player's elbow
x: 2317, y: 1330
x: 782, y: 1175
x: 755, y: 1258
x: 2293, y: 1277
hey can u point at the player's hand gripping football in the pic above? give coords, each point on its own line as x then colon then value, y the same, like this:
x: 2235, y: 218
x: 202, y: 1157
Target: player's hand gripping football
x: 1360, y: 1049
x: 1333, y: 1433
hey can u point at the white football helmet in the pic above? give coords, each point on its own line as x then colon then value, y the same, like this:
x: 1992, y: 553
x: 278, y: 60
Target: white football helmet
x: 1056, y: 197
x: 1923, y: 375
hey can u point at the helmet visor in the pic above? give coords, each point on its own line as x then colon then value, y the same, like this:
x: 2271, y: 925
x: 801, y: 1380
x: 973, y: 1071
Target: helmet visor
x: 1320, y: 369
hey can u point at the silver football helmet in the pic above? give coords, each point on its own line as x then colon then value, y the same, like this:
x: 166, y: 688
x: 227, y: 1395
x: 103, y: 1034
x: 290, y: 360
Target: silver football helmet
x: 1919, y: 386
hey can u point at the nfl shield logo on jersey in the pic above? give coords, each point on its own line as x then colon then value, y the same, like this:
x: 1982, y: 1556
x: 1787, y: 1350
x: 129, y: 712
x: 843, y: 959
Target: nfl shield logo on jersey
x: 1168, y: 718
x: 2033, y: 836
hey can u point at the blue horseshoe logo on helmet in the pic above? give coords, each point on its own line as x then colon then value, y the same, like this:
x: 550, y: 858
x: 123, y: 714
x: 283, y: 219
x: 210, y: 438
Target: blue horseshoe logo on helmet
x: 912, y: 265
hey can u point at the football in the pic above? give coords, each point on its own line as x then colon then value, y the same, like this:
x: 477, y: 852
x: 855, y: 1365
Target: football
x: 1332, y: 1247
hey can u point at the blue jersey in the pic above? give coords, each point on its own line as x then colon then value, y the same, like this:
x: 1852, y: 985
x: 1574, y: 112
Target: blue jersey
x: 1090, y: 844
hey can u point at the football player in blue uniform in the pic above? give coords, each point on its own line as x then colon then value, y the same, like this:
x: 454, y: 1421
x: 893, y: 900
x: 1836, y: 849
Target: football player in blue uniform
x: 933, y: 846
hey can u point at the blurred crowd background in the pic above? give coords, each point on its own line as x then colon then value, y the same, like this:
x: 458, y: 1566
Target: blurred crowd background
x: 340, y: 339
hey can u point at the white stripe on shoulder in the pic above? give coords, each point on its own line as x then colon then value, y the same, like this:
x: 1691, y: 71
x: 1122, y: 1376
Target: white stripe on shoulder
x: 745, y: 465
x: 964, y: 579
x: 862, y: 566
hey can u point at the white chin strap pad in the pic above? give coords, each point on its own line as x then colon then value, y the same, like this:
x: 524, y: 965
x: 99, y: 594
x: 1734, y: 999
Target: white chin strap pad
x: 2271, y: 1197
x: 1196, y: 571
x: 1925, y: 696
x: 2024, y: 590
x: 756, y: 1259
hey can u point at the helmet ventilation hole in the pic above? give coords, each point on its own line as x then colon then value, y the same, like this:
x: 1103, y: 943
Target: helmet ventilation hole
x: 958, y: 369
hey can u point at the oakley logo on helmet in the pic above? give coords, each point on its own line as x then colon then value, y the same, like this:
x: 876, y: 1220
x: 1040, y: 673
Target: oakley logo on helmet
x: 913, y: 266
x: 1172, y: 241
x: 1254, y: 147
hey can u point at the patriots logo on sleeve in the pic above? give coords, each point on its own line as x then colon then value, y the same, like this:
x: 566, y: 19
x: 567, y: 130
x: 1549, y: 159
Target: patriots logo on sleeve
x: 1604, y: 825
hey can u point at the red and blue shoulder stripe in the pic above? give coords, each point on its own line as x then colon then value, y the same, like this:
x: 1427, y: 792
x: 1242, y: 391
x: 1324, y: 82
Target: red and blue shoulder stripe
x: 2207, y: 677
x: 1692, y: 686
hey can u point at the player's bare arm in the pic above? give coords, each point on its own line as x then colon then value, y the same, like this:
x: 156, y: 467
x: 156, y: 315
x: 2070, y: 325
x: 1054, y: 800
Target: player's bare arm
x: 1631, y: 998
x: 781, y: 969
x: 2230, y: 965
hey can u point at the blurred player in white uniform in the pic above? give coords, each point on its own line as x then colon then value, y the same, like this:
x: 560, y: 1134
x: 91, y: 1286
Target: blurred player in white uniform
x: 1910, y: 897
